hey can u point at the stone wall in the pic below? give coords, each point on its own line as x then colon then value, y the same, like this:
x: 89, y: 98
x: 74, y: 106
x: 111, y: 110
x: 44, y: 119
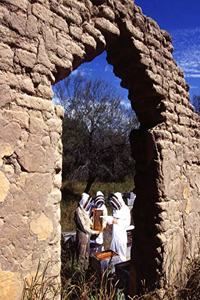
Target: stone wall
x: 41, y: 42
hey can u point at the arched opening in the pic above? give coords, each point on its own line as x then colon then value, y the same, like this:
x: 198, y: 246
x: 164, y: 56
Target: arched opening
x: 130, y: 63
x: 42, y: 42
x: 109, y: 119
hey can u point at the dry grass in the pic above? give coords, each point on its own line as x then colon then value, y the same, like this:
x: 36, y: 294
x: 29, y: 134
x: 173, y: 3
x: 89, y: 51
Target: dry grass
x: 86, y: 286
x: 41, y: 286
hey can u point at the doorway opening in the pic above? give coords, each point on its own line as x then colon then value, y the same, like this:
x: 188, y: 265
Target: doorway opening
x: 98, y: 119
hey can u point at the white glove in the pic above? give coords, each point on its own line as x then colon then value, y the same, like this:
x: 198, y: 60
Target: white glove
x: 107, y: 219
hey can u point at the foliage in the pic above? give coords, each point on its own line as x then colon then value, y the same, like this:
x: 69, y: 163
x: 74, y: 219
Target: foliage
x: 96, y: 131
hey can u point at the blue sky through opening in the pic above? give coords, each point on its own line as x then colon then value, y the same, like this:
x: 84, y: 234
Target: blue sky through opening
x: 181, y: 19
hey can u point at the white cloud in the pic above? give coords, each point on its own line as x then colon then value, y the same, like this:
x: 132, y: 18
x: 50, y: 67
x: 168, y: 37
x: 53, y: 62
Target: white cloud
x: 194, y: 87
x: 126, y: 103
x: 78, y: 72
x: 187, y: 51
x: 108, y: 68
x: 188, y: 75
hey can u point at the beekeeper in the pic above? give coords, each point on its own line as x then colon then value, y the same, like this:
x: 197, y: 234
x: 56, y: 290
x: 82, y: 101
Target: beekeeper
x: 96, y: 243
x: 83, y: 230
x: 120, y: 220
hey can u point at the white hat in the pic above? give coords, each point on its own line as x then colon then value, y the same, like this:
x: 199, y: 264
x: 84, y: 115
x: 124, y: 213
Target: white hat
x: 99, y: 199
x: 85, y: 201
x: 116, y: 200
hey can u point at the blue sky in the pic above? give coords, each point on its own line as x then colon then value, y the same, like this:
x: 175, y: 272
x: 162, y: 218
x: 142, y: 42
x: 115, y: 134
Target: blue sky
x: 181, y: 18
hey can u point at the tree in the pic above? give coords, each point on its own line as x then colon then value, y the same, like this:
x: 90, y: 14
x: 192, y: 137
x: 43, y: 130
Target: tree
x: 95, y: 131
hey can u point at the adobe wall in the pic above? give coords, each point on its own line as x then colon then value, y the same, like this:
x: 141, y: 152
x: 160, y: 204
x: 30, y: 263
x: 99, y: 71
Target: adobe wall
x: 41, y: 42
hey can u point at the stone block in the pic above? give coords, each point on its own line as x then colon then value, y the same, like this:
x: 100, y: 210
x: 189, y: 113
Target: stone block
x: 42, y: 227
x: 135, y: 31
x: 10, y: 286
x: 49, y: 39
x: 95, y: 33
x: 76, y: 31
x: 4, y: 186
x: 71, y: 15
x: 106, y: 12
x: 37, y: 126
x: 22, y: 4
x: 42, y: 57
x: 19, y: 117
x: 106, y: 26
x: 41, y: 12
x: 10, y: 133
x: 61, y: 24
x: 17, y: 21
x: 25, y: 58
x: 78, y: 5
x: 32, y: 26
x: 44, y: 91
x: 27, y: 86
x: 6, y: 57
x: 5, y: 95
x: 34, y: 102
x: 140, y: 46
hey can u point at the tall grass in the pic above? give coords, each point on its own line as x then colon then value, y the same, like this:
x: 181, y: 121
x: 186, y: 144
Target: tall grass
x: 87, y: 286
x: 41, y: 286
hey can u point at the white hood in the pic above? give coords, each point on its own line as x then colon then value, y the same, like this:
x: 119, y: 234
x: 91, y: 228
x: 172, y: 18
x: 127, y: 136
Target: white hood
x: 85, y: 201
x: 117, y: 201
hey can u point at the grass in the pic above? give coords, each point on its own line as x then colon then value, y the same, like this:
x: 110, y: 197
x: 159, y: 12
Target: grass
x: 86, y: 286
x: 41, y: 286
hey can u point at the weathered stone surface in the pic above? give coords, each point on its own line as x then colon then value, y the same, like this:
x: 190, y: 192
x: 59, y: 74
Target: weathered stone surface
x: 25, y: 58
x: 27, y: 85
x: 59, y: 111
x: 44, y: 91
x: 22, y: 4
x: 41, y: 43
x: 10, y: 133
x: 106, y: 26
x: 17, y: 22
x: 4, y: 186
x: 61, y: 24
x: 42, y: 227
x: 6, y: 57
x: 10, y: 286
x: 5, y: 95
x: 41, y: 12
x: 32, y: 26
x: 6, y: 150
x: 34, y: 102
x: 42, y: 57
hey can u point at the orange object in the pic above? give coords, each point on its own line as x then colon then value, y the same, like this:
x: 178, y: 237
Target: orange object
x: 105, y: 254
x: 97, y: 220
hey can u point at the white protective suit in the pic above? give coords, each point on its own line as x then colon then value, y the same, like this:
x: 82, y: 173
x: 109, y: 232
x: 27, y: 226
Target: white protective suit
x: 122, y: 218
x: 99, y: 203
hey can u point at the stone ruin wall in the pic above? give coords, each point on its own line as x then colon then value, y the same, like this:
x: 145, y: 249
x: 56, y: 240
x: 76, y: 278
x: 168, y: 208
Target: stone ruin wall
x: 41, y: 42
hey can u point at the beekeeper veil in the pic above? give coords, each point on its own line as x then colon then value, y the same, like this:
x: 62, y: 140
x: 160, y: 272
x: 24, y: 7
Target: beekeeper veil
x: 85, y: 202
x: 99, y: 199
x: 116, y: 200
